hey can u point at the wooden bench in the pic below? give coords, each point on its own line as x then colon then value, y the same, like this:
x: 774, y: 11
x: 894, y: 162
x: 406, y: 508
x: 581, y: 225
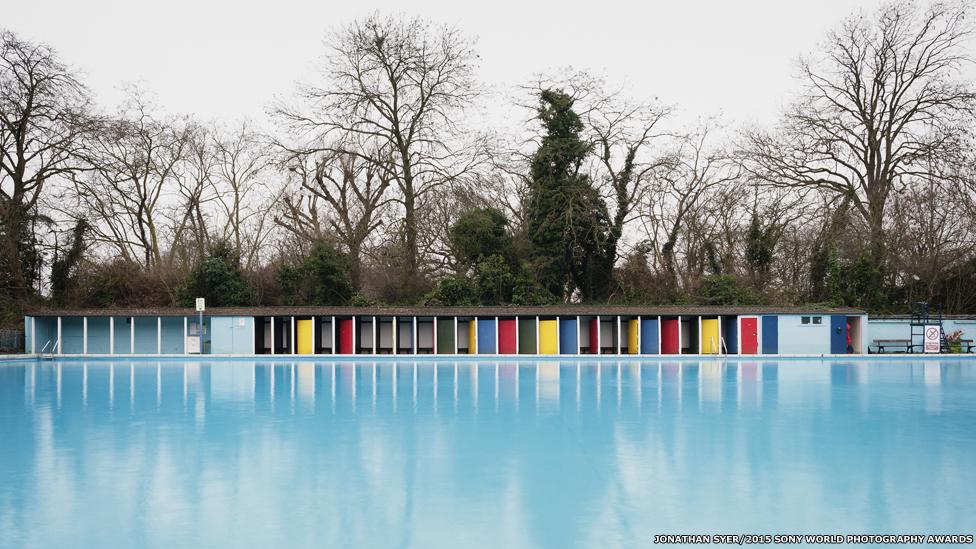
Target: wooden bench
x: 966, y: 345
x: 892, y: 346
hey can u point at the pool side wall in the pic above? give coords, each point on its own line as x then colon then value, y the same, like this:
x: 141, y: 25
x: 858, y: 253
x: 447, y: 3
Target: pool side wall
x: 525, y: 334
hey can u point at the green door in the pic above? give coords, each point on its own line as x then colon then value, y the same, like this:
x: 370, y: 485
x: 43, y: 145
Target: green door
x: 445, y: 336
x: 527, y: 334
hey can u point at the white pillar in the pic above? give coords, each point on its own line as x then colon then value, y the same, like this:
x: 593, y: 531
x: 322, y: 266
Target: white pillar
x: 272, y: 340
x: 59, y: 335
x: 518, y: 325
x: 111, y: 335
x: 497, y: 336
x: 738, y: 335
x: 537, y: 344
x: 84, y: 335
x: 355, y: 335
x: 659, y: 329
x: 335, y: 336
x: 679, y: 336
x: 376, y: 339
x: 132, y: 335
x: 292, y: 336
x: 599, y: 335
x: 33, y: 335
x: 185, y: 333
x: 559, y: 330
x: 721, y: 334
x: 413, y: 342
x: 456, y: 336
x: 159, y: 335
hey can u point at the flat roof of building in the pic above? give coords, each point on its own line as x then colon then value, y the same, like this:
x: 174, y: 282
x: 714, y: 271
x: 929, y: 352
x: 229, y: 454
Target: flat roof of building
x: 551, y: 310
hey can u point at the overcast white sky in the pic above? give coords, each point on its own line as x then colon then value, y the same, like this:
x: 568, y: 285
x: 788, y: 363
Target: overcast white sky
x: 227, y: 59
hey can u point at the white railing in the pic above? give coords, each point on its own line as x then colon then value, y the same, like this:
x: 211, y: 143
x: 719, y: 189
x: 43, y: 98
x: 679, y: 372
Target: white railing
x: 53, y: 347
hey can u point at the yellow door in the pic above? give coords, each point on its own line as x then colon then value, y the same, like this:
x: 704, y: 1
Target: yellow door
x: 709, y: 336
x: 548, y: 337
x: 305, y: 330
x: 472, y: 336
x: 633, y: 328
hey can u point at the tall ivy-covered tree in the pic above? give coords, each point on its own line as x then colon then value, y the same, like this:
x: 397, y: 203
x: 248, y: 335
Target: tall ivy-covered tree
x: 568, y: 222
x: 43, y: 118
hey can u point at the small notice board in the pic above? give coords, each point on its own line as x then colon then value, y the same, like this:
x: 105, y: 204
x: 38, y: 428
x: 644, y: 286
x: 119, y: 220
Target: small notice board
x: 932, y: 340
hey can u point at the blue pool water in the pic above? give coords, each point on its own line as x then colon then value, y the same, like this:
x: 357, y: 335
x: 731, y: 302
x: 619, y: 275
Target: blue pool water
x: 478, y: 453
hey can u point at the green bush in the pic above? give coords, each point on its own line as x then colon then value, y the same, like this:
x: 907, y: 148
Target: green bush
x: 725, y: 290
x: 322, y: 278
x: 495, y: 280
x: 217, y: 278
x: 452, y: 291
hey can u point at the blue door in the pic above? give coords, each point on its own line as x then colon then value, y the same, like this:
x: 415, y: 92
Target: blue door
x: 568, y: 337
x: 731, y: 325
x: 838, y: 334
x: 770, y: 335
x: 487, y: 340
x: 649, y: 335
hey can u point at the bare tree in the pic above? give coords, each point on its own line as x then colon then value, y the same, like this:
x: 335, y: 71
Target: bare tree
x: 404, y: 84
x: 354, y: 193
x: 43, y: 117
x: 882, y: 104
x: 679, y: 198
x: 242, y: 160
x: 138, y: 165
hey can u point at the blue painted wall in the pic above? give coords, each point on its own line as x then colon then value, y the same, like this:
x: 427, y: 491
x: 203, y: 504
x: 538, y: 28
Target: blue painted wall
x: 231, y: 335
x: 568, y: 336
x: 146, y: 335
x: 72, y: 335
x: 172, y: 335
x: 796, y: 338
x: 900, y: 328
x: 649, y: 336
x: 122, y: 335
x: 46, y: 331
x: 28, y: 323
x: 487, y: 337
x: 98, y: 335
x: 770, y: 335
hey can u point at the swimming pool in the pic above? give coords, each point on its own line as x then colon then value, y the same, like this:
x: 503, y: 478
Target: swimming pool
x: 446, y: 453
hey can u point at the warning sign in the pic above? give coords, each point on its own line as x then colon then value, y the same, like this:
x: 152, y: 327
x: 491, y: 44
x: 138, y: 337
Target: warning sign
x: 932, y: 342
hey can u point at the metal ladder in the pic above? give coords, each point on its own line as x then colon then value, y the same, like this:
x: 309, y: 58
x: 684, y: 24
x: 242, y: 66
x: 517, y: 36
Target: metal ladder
x: 48, y: 356
x: 921, y: 317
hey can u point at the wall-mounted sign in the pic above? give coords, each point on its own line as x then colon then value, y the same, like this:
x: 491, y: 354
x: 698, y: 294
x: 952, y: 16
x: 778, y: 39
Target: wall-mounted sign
x: 933, y: 339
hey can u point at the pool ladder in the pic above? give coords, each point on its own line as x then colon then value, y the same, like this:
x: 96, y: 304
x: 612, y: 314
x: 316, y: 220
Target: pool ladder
x: 48, y: 356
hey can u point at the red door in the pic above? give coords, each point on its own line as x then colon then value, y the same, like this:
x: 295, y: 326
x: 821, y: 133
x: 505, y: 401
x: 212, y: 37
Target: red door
x: 669, y: 336
x: 345, y: 336
x: 594, y: 336
x: 506, y: 336
x: 750, y: 335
